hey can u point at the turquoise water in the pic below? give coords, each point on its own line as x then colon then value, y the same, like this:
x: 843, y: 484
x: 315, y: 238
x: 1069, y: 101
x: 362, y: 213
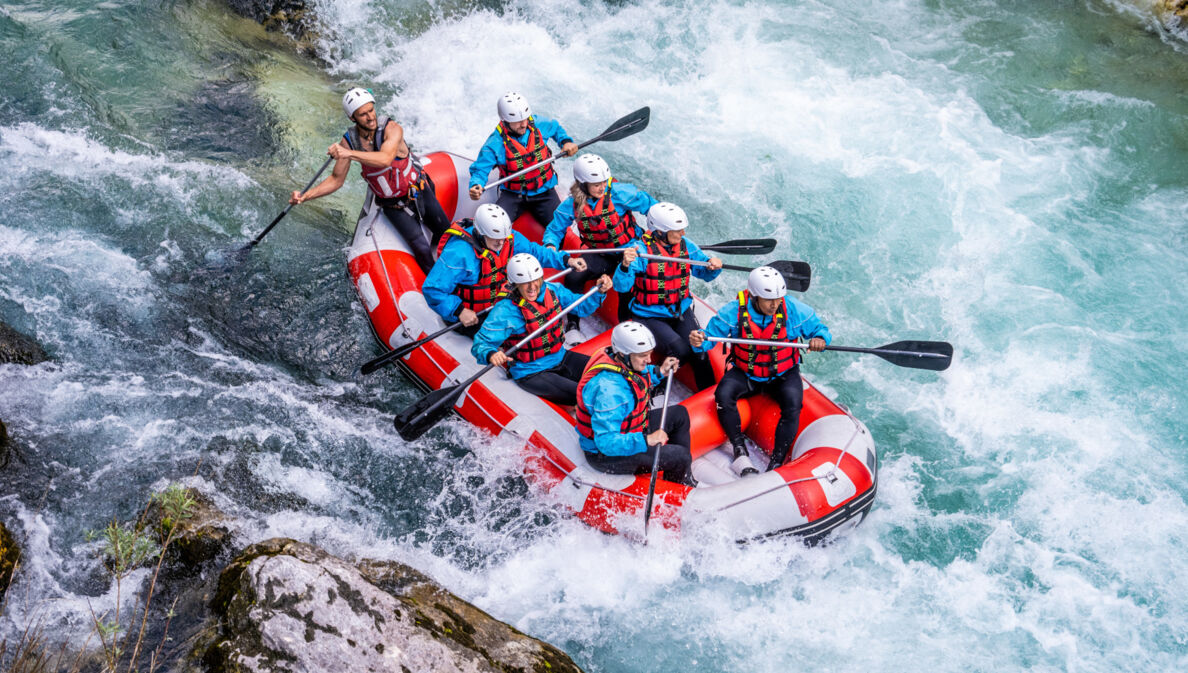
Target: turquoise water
x: 1007, y: 176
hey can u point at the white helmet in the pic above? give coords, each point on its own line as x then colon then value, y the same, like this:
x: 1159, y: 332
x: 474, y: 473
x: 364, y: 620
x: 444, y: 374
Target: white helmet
x: 492, y: 221
x: 513, y: 107
x: 632, y: 337
x: 523, y: 268
x: 590, y: 168
x: 767, y: 283
x: 665, y: 216
x: 355, y: 99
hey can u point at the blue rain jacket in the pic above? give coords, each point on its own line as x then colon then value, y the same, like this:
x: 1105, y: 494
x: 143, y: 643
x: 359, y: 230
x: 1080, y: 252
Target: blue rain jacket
x: 625, y: 280
x: 609, y: 399
x: 624, y: 196
x: 506, y: 320
x: 803, y: 323
x: 458, y: 265
x: 492, y: 153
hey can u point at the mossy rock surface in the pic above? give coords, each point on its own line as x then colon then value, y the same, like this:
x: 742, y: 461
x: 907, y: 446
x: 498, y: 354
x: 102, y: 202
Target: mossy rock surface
x: 16, y: 348
x: 198, y: 539
x: 10, y: 553
x: 291, y: 17
x: 283, y: 605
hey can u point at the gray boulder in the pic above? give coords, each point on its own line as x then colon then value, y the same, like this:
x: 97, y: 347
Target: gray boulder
x: 283, y: 605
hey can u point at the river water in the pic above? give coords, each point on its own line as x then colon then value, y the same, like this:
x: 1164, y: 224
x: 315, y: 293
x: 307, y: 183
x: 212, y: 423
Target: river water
x: 1007, y: 176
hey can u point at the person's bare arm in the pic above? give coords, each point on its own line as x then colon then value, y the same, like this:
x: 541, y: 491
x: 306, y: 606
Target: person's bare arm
x: 393, y: 143
x: 331, y: 184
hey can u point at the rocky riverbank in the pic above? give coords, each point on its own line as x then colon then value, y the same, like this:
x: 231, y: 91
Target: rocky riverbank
x: 285, y: 605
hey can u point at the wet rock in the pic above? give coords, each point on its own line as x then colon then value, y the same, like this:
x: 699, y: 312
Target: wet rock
x: 1174, y: 14
x: 199, y: 536
x: 290, y: 17
x: 283, y: 605
x: 16, y: 348
x: 10, y: 554
x: 5, y: 447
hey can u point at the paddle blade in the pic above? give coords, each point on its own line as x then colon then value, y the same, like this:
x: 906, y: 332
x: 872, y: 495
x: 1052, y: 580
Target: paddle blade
x: 391, y: 356
x: 796, y: 274
x: 931, y: 355
x: 743, y: 246
x: 428, y: 411
x: 627, y: 126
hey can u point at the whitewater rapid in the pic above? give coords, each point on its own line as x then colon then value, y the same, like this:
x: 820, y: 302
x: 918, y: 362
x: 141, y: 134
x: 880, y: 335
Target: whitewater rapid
x: 1008, y: 177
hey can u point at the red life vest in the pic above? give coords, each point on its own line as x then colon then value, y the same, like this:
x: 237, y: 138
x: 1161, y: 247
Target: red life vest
x: 603, y: 361
x: 600, y: 225
x: 492, y: 266
x: 762, y: 362
x: 391, y: 182
x: 536, y: 314
x: 518, y: 157
x: 662, y: 283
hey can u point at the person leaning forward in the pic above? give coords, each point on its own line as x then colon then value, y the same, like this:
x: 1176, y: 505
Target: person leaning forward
x: 543, y: 366
x: 400, y: 188
x: 471, y: 268
x: 660, y: 290
x: 615, y: 428
x: 521, y: 140
x: 763, y: 311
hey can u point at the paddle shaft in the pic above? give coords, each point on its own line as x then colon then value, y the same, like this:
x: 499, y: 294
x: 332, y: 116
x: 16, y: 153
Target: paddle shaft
x: 284, y: 212
x: 377, y: 363
x: 658, y: 258
x: 755, y: 247
x: 555, y: 157
x: 656, y: 458
x: 847, y: 349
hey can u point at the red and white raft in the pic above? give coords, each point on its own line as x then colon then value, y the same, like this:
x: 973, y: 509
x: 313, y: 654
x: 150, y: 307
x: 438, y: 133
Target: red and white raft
x: 828, y: 482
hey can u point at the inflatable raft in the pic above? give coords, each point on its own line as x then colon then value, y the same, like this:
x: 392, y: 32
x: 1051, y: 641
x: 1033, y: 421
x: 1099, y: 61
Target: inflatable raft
x: 827, y: 483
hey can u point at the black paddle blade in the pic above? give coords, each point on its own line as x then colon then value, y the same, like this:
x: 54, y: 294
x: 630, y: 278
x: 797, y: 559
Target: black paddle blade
x: 744, y: 246
x: 931, y: 355
x: 628, y: 126
x: 796, y: 274
x: 393, y: 355
x: 416, y: 420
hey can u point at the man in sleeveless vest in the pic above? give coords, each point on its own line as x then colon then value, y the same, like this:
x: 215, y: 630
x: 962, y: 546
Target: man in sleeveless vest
x: 615, y: 428
x: 394, y: 177
x: 601, y: 208
x: 471, y: 269
x: 763, y: 311
x: 660, y: 290
x: 521, y: 140
x: 543, y: 366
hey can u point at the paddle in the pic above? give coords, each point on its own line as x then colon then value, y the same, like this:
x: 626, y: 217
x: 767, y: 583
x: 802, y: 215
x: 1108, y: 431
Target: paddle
x: 430, y: 409
x: 932, y: 355
x: 797, y: 275
x: 255, y: 241
x: 395, y: 354
x: 623, y: 128
x: 656, y: 459
x: 741, y: 246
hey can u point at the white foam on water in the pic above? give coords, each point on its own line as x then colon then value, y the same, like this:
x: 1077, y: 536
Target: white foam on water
x: 943, y: 225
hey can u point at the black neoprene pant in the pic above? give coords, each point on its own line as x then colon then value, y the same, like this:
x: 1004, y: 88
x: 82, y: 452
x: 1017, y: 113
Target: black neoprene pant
x: 672, y: 338
x: 403, y: 214
x: 542, y: 205
x: 787, y: 391
x: 675, y: 459
x: 559, y: 384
